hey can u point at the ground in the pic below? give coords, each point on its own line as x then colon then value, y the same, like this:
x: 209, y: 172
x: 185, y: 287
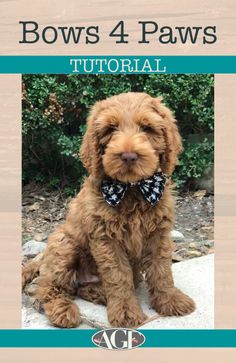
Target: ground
x: 44, y: 209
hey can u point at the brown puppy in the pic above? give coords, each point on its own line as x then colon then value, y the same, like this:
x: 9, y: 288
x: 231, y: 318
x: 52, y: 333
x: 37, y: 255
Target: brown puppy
x: 101, y: 250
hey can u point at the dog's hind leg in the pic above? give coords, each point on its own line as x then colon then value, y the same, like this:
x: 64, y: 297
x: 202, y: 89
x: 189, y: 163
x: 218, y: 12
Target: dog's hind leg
x: 58, y: 280
x: 58, y: 306
x: 31, y: 270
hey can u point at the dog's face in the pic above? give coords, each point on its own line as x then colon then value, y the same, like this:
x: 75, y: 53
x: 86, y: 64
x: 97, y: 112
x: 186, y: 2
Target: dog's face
x: 129, y: 137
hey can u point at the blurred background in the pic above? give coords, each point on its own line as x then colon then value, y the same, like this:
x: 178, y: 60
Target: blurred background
x: 54, y: 112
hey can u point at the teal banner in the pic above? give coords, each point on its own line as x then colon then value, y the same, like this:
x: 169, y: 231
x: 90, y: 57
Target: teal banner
x: 117, y: 64
x: 83, y: 338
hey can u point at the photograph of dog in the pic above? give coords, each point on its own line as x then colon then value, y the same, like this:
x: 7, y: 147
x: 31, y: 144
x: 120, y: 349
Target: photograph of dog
x: 118, y: 226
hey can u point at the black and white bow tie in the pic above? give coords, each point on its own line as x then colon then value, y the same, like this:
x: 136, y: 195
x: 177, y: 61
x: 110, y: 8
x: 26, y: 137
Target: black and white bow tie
x: 152, y: 189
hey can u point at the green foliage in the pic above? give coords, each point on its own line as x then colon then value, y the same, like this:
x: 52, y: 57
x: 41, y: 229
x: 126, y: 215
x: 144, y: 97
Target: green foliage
x: 195, y: 160
x: 55, y: 108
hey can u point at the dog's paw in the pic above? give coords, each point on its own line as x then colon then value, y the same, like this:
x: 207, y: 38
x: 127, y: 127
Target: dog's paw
x: 63, y: 313
x: 123, y: 314
x: 173, y: 302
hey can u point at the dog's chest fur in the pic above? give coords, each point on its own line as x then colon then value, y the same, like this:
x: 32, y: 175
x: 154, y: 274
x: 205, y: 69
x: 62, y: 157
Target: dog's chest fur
x: 133, y: 222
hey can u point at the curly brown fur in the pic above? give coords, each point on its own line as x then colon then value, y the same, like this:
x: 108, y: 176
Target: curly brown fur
x: 100, y: 251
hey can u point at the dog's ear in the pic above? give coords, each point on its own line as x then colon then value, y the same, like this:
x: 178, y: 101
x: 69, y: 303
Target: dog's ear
x: 173, y: 144
x: 90, y: 150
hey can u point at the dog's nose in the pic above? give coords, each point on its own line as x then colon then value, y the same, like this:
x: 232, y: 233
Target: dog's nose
x: 129, y: 158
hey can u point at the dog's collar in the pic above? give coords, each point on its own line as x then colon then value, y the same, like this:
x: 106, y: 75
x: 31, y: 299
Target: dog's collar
x: 151, y: 188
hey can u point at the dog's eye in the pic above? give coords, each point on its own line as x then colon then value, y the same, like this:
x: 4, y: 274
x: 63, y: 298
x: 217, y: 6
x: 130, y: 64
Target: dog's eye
x: 106, y: 134
x: 110, y: 129
x: 147, y: 128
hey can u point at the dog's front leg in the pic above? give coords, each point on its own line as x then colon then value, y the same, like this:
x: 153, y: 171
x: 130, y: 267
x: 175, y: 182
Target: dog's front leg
x: 117, y: 278
x: 165, y: 298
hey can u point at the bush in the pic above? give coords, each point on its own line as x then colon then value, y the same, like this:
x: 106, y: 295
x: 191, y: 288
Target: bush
x: 55, y: 108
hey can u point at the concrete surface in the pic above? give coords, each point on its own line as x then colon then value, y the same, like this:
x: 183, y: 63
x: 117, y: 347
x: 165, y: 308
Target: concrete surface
x: 33, y: 248
x: 195, y: 277
x: 177, y: 236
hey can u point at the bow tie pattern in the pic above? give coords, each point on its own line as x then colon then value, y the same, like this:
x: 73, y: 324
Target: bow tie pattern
x: 152, y: 189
